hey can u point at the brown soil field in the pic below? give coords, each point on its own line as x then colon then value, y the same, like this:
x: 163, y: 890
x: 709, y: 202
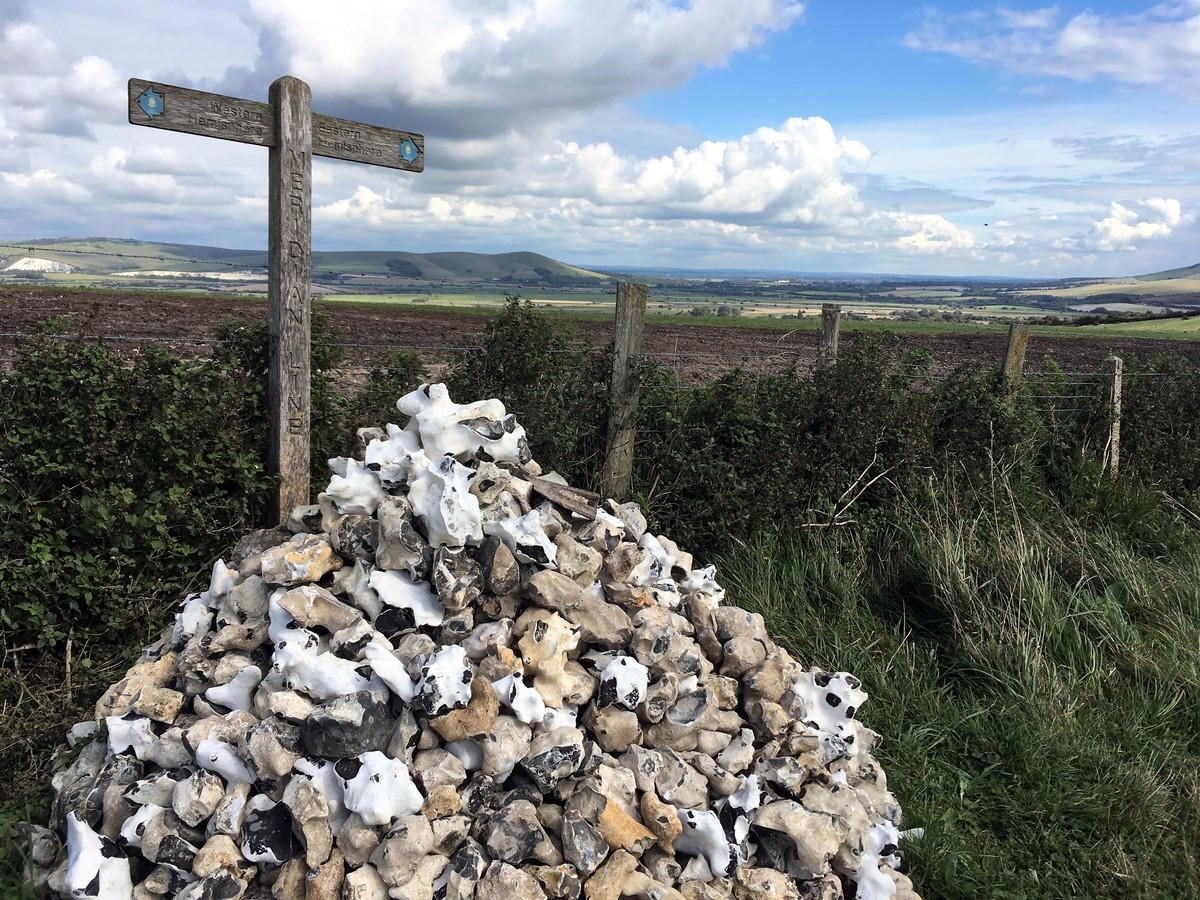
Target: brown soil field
x: 186, y: 324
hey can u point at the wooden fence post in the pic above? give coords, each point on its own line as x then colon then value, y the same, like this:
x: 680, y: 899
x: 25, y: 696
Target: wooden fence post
x: 1112, y: 450
x: 1014, y: 359
x: 616, y: 477
x: 831, y: 321
x: 289, y: 243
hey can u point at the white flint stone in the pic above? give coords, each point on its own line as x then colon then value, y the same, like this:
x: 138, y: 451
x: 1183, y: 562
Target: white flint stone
x: 221, y: 758
x: 445, y: 682
x: 398, y: 446
x: 397, y: 589
x: 87, y: 862
x: 525, y: 702
x: 390, y: 670
x: 194, y: 618
x: 830, y: 703
x: 703, y: 836
x: 461, y: 430
x: 873, y: 884
x: 382, y: 790
x: 129, y: 734
x: 238, y: 693
x: 133, y: 827
x: 354, y: 488
x: 441, y: 498
x: 526, y: 537
x: 624, y: 682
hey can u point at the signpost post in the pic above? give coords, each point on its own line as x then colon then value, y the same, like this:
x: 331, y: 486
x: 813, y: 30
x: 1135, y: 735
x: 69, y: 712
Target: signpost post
x: 294, y: 134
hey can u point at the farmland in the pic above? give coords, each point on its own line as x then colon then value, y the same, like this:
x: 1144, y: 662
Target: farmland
x: 187, y: 322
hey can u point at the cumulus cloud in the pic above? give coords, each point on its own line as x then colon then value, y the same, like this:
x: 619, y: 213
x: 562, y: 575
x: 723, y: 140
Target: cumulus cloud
x: 471, y: 68
x: 780, y: 189
x: 45, y: 93
x: 1160, y: 45
x: 1126, y: 227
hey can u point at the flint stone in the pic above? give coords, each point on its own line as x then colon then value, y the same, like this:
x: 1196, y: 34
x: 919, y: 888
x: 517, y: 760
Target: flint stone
x: 356, y: 537
x: 473, y: 720
x: 558, y: 881
x: 554, y: 755
x: 219, y: 854
x: 266, y: 834
x: 457, y: 578
x: 348, y: 725
x: 357, y: 841
x: 609, y: 880
x: 398, y: 854
x: 324, y: 882
x: 515, y: 835
x: 503, y: 882
x: 364, y: 883
x: 622, y: 831
x: 438, y: 767
x: 153, y: 673
x: 662, y: 819
x: 501, y: 570
x: 753, y: 884
x: 315, y: 607
x: 221, y: 886
x: 304, y: 559
x: 583, y: 845
x: 197, y: 796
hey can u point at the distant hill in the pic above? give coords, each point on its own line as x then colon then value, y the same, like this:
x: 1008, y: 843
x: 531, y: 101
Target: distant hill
x: 1170, y: 274
x: 104, y: 256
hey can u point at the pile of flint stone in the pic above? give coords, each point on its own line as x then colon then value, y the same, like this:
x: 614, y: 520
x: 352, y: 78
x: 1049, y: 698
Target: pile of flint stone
x: 453, y: 678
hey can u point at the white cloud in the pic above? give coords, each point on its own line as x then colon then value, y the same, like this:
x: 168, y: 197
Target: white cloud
x: 466, y: 68
x: 1125, y: 227
x: 42, y: 186
x: 784, y: 190
x: 1160, y: 45
x: 45, y: 93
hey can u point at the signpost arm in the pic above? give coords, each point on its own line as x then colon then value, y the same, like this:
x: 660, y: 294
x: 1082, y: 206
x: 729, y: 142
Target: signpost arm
x: 289, y: 239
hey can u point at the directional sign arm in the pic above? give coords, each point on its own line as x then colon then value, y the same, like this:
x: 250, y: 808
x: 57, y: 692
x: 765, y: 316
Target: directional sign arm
x: 158, y: 105
x: 199, y: 112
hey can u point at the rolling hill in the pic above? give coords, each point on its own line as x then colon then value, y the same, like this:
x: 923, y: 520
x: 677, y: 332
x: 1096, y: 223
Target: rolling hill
x: 105, y: 256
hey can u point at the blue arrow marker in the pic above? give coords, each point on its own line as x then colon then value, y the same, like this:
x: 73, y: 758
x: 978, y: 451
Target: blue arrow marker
x: 151, y: 102
x: 408, y: 150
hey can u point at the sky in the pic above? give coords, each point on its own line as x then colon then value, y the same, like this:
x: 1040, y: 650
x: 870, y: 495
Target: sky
x: 950, y: 138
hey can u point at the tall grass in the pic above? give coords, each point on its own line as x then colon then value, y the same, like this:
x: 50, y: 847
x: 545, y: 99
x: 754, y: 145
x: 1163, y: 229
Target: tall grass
x: 1036, y: 678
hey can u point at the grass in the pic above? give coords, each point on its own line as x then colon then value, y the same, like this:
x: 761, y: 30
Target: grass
x: 1123, y: 286
x: 1036, y: 680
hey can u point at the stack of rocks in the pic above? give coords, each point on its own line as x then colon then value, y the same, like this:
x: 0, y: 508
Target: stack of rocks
x: 456, y: 678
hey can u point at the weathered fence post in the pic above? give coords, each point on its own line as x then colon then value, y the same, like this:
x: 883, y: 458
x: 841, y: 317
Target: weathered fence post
x: 289, y: 243
x: 1014, y: 359
x: 1112, y: 450
x: 616, y: 477
x: 831, y: 322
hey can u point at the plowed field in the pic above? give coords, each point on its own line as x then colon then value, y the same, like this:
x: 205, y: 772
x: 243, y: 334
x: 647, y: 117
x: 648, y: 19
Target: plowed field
x: 187, y: 325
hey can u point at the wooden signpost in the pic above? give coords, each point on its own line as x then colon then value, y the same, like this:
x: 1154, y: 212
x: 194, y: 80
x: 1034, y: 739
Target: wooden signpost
x: 294, y: 134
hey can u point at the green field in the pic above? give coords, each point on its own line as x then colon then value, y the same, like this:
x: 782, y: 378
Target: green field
x: 1165, y: 287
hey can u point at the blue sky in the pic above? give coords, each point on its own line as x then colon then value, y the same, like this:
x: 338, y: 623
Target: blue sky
x: 943, y: 138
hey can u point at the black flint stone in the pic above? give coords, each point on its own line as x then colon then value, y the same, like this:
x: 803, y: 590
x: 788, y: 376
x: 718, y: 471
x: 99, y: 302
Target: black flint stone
x: 268, y: 833
x: 176, y: 852
x: 221, y: 886
x: 333, y: 736
x: 554, y: 764
x: 392, y: 621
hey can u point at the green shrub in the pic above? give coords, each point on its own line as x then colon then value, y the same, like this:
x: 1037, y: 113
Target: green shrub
x: 119, y: 483
x: 557, y: 389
